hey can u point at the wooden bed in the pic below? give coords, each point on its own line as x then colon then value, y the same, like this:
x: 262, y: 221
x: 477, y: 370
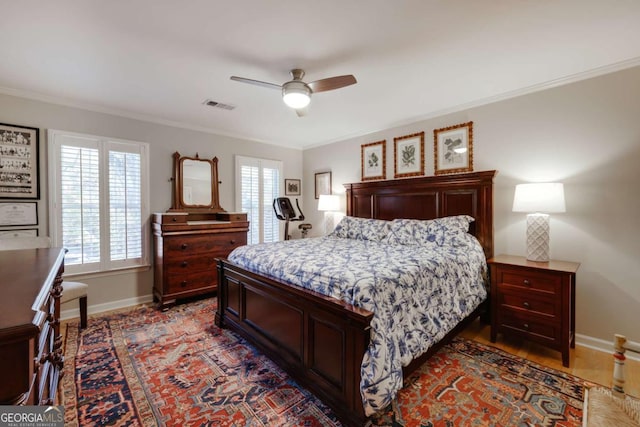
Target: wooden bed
x: 320, y: 341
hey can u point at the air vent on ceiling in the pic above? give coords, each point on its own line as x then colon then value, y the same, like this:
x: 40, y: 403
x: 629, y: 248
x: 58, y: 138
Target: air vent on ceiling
x: 216, y: 104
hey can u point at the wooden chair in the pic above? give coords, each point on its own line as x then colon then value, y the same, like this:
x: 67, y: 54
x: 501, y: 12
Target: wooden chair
x: 70, y: 290
x: 611, y: 407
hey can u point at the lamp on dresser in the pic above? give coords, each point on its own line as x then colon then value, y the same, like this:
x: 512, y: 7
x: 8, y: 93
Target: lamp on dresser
x: 538, y: 200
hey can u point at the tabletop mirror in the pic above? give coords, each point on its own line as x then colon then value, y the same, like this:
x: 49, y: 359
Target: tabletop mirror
x: 195, y: 184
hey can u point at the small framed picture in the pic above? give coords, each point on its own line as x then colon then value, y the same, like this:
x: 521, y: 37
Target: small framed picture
x: 408, y: 152
x: 323, y: 183
x: 291, y: 187
x: 19, y: 162
x: 373, y: 159
x: 18, y: 232
x: 14, y: 213
x: 453, y: 149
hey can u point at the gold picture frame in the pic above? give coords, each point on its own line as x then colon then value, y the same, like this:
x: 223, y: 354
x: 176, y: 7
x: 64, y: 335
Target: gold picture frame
x: 453, y: 149
x: 373, y: 160
x: 408, y: 153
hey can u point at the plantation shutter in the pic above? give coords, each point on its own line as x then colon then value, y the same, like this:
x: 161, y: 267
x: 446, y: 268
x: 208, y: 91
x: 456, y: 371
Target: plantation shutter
x: 80, y: 201
x: 125, y: 205
x: 99, y: 201
x: 259, y: 183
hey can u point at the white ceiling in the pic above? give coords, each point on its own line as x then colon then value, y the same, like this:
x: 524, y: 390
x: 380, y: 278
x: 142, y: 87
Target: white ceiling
x: 160, y: 59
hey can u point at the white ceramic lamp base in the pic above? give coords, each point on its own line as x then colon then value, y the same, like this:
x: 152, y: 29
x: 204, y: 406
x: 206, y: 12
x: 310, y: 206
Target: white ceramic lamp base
x: 538, y: 237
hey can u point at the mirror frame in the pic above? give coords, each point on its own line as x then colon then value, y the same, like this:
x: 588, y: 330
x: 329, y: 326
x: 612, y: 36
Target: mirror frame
x: 178, y: 201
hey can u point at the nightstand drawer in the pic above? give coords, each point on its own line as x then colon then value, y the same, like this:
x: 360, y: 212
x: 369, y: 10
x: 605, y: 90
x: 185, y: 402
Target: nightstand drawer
x: 532, y: 280
x: 534, y: 328
x: 529, y: 303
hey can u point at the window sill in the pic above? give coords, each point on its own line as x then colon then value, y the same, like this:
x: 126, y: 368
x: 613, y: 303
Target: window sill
x: 114, y: 272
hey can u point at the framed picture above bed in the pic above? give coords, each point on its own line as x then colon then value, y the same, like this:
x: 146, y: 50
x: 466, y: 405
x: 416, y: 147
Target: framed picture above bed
x: 374, y: 160
x: 291, y: 187
x: 408, y: 153
x: 453, y: 149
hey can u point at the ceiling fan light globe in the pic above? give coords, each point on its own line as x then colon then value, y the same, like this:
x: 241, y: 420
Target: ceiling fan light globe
x: 296, y: 94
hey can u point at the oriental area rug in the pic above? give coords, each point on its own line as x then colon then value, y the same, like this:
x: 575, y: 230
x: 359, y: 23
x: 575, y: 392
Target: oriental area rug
x: 147, y: 367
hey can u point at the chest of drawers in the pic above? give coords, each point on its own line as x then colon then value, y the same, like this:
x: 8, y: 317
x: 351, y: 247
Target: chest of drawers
x: 534, y: 300
x: 185, y: 249
x: 30, y: 341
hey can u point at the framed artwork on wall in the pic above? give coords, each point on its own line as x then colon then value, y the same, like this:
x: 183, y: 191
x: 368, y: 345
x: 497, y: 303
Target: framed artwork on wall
x: 14, y: 213
x: 19, y: 162
x: 408, y: 153
x: 18, y: 232
x: 453, y: 149
x: 291, y: 187
x: 323, y: 183
x: 373, y: 160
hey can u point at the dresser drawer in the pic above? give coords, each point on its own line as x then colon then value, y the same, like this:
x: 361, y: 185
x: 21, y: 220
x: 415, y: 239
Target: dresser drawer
x: 189, y: 263
x: 177, y: 245
x: 533, y: 327
x: 190, y: 281
x: 528, y: 302
x: 168, y: 218
x: 542, y: 282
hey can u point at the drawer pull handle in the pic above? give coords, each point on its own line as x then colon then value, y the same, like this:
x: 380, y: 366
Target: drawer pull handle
x: 184, y: 263
x: 183, y: 283
x: 526, y: 304
x: 232, y: 241
x: 526, y: 326
x: 526, y: 282
x: 174, y: 219
x: 184, y: 246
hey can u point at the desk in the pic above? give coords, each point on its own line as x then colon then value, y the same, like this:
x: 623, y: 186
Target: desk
x: 31, y: 356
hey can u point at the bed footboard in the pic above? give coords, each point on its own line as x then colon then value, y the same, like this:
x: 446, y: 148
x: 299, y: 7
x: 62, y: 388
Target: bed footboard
x: 318, y: 340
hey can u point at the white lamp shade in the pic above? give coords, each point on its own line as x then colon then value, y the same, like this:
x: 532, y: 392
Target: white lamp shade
x: 547, y: 197
x: 329, y: 203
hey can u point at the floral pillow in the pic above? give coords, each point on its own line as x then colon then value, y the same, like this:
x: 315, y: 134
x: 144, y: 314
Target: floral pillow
x: 450, y: 231
x: 351, y: 227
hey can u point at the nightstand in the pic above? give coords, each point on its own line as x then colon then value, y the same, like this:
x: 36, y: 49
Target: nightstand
x: 535, y: 301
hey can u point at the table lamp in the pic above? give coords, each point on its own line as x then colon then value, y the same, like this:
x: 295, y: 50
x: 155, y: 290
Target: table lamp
x: 328, y: 203
x: 538, y: 200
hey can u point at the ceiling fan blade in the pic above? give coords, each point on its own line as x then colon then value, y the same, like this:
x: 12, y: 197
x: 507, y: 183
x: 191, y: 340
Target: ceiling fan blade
x: 332, y: 83
x: 301, y: 112
x: 256, y: 82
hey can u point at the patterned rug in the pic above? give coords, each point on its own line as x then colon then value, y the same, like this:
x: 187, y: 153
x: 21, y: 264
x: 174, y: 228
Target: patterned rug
x: 175, y: 368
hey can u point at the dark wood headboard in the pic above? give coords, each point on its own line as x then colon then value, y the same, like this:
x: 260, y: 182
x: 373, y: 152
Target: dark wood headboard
x: 427, y: 198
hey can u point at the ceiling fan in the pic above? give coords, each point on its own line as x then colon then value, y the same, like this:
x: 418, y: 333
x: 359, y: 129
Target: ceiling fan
x: 296, y: 93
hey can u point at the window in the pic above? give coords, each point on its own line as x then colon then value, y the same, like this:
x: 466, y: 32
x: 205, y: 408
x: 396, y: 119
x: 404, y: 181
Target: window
x: 98, y: 201
x: 257, y: 184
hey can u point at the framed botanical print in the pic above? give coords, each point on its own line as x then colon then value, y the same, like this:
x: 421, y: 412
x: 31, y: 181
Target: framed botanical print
x: 19, y: 162
x: 453, y: 149
x: 408, y: 153
x: 373, y: 159
x: 323, y: 183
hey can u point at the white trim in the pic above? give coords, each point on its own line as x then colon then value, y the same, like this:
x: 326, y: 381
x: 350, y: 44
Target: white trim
x: 605, y: 346
x: 101, y: 308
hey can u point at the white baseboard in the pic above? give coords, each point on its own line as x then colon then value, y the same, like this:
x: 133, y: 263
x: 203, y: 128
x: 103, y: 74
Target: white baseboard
x: 605, y: 346
x: 101, y: 308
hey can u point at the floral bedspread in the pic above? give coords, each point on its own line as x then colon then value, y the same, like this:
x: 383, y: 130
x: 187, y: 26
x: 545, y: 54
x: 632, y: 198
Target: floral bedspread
x: 417, y: 293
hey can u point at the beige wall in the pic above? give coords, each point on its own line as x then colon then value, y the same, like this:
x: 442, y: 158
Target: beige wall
x: 107, y: 291
x: 584, y: 134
